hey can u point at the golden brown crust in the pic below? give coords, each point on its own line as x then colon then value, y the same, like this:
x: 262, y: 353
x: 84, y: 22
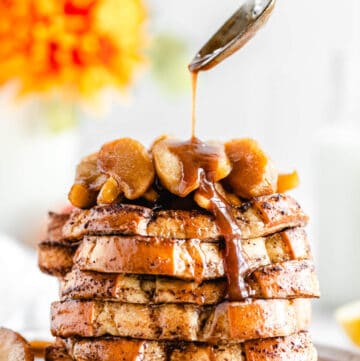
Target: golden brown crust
x: 120, y: 218
x: 188, y: 259
x: 277, y: 209
x: 57, y: 353
x: 258, y: 217
x: 55, y: 226
x: 296, y: 347
x: 281, y: 280
x: 55, y: 258
x: 142, y: 289
x: 257, y: 319
x: 236, y: 321
x: 185, y: 259
x: 291, y: 279
x: 13, y: 347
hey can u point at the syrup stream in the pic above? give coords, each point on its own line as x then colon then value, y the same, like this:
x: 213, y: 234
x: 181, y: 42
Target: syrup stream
x: 199, y: 162
x: 194, y: 77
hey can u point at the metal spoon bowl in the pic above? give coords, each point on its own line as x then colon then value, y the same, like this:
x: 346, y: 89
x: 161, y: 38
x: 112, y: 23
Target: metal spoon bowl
x: 234, y: 34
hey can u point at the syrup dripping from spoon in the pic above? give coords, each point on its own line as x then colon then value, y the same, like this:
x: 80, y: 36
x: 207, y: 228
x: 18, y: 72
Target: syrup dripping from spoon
x: 234, y: 34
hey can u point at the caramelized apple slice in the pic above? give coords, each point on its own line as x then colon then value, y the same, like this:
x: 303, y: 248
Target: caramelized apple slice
x: 253, y: 173
x: 128, y: 162
x: 204, y: 202
x: 287, y: 182
x: 168, y: 166
x: 109, y: 192
x: 179, y: 165
x: 81, y: 196
x: 151, y: 195
x: 88, y: 180
x: 87, y: 172
x: 14, y: 347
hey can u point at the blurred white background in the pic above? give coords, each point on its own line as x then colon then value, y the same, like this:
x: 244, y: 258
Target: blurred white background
x: 295, y: 87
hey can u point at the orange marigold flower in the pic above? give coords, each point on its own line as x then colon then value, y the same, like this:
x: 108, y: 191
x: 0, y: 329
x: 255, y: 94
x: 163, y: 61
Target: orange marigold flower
x: 78, y: 45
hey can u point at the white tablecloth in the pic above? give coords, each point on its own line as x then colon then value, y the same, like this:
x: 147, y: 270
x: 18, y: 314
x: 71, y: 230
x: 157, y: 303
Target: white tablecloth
x: 26, y: 293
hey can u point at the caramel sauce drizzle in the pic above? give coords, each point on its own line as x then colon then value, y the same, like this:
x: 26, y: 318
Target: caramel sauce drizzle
x: 199, y: 162
x: 195, y: 156
x: 38, y: 347
x: 236, y: 261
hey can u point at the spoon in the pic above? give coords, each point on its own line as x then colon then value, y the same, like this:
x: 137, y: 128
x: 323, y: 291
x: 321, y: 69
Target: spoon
x: 233, y: 35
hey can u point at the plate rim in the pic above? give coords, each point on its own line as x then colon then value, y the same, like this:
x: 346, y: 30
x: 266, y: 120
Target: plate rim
x: 331, y: 353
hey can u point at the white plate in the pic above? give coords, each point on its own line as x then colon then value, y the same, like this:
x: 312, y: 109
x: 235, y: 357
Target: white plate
x: 327, y: 353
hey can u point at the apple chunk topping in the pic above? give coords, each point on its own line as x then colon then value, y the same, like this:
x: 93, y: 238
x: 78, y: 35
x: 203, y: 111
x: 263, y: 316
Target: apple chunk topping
x: 128, y: 162
x: 109, y: 192
x: 253, y: 173
x: 179, y: 165
x: 88, y: 180
x: 125, y: 169
x: 88, y: 172
x: 204, y: 202
x: 288, y: 181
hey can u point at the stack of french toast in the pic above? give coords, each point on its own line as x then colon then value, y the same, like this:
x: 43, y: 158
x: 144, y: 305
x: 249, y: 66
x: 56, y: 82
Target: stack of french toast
x: 186, y: 251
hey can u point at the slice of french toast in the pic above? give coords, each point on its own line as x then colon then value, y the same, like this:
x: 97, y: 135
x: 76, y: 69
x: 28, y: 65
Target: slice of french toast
x: 296, y: 347
x: 290, y: 279
x: 186, y: 259
x: 256, y: 218
x: 228, y: 321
